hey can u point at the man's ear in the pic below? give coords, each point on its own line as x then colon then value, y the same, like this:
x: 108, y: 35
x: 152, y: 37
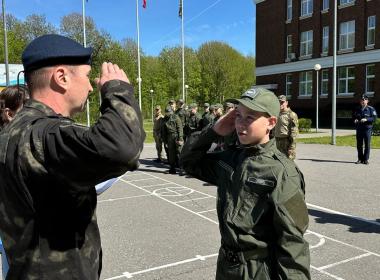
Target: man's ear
x: 272, y: 122
x: 9, y: 115
x: 61, y: 78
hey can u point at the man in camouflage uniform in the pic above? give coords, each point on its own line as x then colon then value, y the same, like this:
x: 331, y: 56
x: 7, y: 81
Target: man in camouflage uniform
x: 207, y: 116
x: 49, y: 165
x: 286, y: 130
x: 261, y: 206
x: 193, y: 121
x: 158, y: 120
x: 218, y: 112
x: 172, y: 136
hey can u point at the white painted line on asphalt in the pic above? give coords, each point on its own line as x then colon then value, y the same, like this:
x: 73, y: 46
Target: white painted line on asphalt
x: 211, y: 210
x: 131, y: 274
x: 173, y: 203
x: 123, y: 198
x: 344, y: 243
x: 194, y: 199
x: 345, y: 261
x: 327, y: 273
x: 322, y: 240
x: 343, y: 214
x: 138, y: 180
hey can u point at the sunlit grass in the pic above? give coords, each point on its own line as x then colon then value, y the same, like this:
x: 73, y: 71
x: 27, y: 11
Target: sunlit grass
x: 340, y: 141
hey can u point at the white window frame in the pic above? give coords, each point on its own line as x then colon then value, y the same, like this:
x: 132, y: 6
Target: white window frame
x: 346, y: 79
x: 305, y: 84
x: 288, y: 85
x: 347, y: 35
x: 306, y: 8
x: 346, y: 2
x: 324, y: 81
x: 368, y: 77
x: 325, y: 39
x: 289, y: 46
x: 371, y: 27
x: 325, y: 5
x: 306, y: 43
x: 289, y: 10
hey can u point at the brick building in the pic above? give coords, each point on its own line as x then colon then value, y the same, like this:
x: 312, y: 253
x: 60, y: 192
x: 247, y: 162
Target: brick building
x: 294, y: 35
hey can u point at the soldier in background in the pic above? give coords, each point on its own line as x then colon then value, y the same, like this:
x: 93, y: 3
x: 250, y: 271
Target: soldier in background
x: 207, y: 116
x: 194, y: 120
x: 181, y: 113
x: 286, y: 130
x: 172, y: 104
x: 364, y: 117
x: 228, y: 106
x: 218, y: 112
x: 172, y: 136
x: 158, y: 120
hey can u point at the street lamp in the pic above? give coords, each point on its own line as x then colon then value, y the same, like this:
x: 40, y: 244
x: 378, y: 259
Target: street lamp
x: 151, y: 95
x: 186, y: 88
x: 317, y: 67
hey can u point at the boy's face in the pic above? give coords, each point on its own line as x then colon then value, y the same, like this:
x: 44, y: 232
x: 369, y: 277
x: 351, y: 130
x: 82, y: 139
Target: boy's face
x: 253, y: 127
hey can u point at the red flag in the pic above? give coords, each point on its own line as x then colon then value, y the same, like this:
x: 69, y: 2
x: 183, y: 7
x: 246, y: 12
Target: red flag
x: 144, y: 4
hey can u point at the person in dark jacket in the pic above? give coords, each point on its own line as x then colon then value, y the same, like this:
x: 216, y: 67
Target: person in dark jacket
x: 49, y: 165
x: 261, y: 207
x: 364, y: 117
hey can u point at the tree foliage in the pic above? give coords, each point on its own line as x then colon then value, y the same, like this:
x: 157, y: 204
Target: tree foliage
x: 213, y: 73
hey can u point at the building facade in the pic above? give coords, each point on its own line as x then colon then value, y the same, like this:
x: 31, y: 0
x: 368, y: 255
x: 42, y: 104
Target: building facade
x: 292, y: 36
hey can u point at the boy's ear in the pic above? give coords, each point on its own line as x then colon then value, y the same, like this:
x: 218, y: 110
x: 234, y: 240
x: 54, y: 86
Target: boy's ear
x: 272, y: 122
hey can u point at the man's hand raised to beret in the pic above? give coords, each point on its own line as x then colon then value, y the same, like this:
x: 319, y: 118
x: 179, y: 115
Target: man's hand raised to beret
x: 110, y: 72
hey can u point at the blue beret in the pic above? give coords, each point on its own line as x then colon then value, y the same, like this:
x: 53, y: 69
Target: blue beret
x: 52, y: 49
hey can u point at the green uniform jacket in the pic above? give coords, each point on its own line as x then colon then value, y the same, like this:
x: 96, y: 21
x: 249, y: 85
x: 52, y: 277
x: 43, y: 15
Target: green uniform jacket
x: 193, y: 124
x: 49, y: 167
x: 261, y: 209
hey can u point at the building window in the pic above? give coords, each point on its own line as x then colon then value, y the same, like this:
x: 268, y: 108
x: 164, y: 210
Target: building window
x: 306, y: 7
x: 347, y: 80
x: 347, y: 35
x: 370, y: 79
x: 289, y: 47
x: 371, y: 30
x: 289, y: 10
x: 289, y: 88
x: 306, y: 43
x: 325, y: 40
x: 325, y: 82
x: 325, y: 5
x: 306, y: 83
x: 346, y: 2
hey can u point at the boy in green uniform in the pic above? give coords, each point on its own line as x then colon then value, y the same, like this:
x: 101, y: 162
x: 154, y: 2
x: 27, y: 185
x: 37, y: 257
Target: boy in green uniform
x: 261, y: 208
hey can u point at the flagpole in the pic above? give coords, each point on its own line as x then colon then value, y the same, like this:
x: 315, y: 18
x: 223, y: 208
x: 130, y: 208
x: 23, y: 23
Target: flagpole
x: 183, y: 53
x: 138, y: 50
x: 5, y: 45
x: 85, y: 45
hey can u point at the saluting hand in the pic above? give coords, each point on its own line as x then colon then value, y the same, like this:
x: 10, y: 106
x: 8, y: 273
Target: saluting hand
x: 110, y: 72
x: 226, y: 124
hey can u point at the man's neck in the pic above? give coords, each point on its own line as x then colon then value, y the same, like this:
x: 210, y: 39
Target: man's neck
x: 51, y: 99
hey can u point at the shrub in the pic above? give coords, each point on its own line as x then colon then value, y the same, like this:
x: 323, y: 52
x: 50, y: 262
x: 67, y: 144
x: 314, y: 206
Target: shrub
x: 376, y: 127
x: 304, y: 125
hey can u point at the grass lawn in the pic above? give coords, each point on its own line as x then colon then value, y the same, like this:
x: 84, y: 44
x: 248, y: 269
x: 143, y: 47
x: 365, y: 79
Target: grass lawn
x: 148, y: 127
x: 340, y: 141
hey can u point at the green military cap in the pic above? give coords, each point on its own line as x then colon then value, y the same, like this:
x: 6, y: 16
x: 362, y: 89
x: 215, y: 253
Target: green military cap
x: 212, y: 107
x: 206, y: 105
x: 282, y: 98
x: 180, y: 101
x: 260, y: 100
x: 193, y: 105
x: 171, y: 101
x: 158, y: 107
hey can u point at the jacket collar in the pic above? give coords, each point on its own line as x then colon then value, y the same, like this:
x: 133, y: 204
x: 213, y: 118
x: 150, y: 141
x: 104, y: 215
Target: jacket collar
x: 39, y: 106
x: 255, y: 150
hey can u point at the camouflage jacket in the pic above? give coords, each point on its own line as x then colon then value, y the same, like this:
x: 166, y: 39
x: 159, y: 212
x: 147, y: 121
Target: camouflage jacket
x: 261, y: 208
x: 48, y: 169
x: 183, y: 116
x: 287, y: 125
x: 193, y: 124
x: 172, y: 129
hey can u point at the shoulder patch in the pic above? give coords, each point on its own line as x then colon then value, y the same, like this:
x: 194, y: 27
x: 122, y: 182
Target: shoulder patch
x: 260, y: 181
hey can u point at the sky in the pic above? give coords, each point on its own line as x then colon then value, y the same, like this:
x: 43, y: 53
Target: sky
x: 229, y: 21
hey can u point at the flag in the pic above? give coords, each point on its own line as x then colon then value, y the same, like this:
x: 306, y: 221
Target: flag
x: 144, y: 4
x: 180, y: 9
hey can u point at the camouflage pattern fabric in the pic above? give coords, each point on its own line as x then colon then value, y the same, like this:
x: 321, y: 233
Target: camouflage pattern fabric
x: 48, y: 169
x: 261, y: 208
x: 172, y: 132
x: 158, y: 121
x: 286, y: 132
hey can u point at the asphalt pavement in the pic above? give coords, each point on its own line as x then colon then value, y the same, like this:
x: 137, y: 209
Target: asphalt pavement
x: 155, y: 225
